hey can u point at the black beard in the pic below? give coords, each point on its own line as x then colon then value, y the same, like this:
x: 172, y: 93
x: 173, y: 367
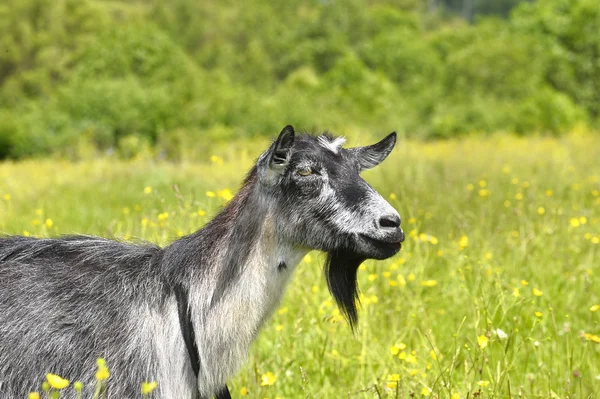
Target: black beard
x: 340, y: 271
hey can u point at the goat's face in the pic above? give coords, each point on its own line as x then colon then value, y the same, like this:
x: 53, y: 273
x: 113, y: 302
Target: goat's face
x: 321, y: 202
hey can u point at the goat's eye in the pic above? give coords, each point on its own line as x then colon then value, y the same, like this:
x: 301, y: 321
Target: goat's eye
x: 305, y: 171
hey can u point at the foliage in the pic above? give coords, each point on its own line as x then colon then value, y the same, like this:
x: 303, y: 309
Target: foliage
x: 77, y: 76
x: 494, y: 293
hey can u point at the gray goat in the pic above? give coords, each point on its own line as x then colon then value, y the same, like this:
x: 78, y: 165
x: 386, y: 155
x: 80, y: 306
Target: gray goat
x: 186, y: 315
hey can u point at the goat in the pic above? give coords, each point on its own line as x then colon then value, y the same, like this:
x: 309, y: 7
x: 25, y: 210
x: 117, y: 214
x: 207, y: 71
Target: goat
x: 185, y: 315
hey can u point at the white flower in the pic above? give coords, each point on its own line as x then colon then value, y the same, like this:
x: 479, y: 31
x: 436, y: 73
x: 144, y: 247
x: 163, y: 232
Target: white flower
x: 501, y: 334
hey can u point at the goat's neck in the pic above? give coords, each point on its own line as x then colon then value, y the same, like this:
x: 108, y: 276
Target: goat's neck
x: 242, y: 251
x: 256, y: 255
x: 242, y: 278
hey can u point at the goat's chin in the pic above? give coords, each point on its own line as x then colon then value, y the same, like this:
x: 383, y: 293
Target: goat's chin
x: 372, y: 248
x: 340, y: 271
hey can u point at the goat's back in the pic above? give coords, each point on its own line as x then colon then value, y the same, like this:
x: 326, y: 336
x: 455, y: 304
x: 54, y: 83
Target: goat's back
x: 65, y: 302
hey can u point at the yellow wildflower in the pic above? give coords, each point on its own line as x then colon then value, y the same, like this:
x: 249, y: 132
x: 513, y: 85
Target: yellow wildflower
x: 592, y: 337
x: 470, y: 187
x: 102, y: 374
x: 226, y: 194
x: 147, y: 190
x: 393, y: 196
x: 482, y: 183
x: 148, y: 387
x: 283, y: 310
x: 482, y: 341
x: 78, y: 386
x: 537, y: 292
x: 34, y: 395
x: 484, y: 193
x: 582, y: 220
x: 392, y: 380
x: 455, y: 395
x: 488, y: 256
x: 243, y: 391
x: 49, y: 223
x: 483, y: 384
x: 396, y: 348
x: 56, y: 381
x: 412, y: 221
x: 594, y: 308
x: 268, y: 379
x: 541, y: 210
x: 201, y: 212
x: 524, y: 283
x: 432, y: 354
x: 429, y: 283
x: 595, y: 240
x: 426, y: 391
x: 574, y: 222
x: 411, y: 277
x: 519, y: 196
x: 210, y: 194
x: 463, y: 242
x: 163, y: 216
x: 401, y: 280
x: 279, y: 327
x: 538, y: 314
x: 372, y: 277
x: 6, y: 197
x: 411, y: 359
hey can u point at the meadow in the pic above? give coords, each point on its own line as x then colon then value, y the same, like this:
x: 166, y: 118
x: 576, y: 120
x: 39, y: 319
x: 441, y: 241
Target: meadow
x: 494, y: 294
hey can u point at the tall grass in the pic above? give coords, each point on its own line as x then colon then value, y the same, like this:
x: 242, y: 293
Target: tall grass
x: 495, y: 293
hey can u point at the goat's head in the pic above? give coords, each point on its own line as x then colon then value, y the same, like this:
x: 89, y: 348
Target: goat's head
x: 321, y: 202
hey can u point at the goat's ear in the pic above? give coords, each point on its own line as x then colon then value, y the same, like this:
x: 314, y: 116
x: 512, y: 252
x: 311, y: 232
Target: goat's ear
x: 281, y: 152
x: 372, y: 155
x: 273, y: 162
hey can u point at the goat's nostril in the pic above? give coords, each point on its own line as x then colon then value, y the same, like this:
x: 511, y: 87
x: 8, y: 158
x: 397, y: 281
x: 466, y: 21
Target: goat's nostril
x: 392, y: 221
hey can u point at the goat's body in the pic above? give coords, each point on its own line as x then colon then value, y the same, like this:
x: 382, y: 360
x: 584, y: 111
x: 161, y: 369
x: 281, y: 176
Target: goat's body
x: 65, y: 302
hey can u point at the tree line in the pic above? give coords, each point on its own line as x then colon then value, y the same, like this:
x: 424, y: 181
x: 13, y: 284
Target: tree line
x: 89, y: 75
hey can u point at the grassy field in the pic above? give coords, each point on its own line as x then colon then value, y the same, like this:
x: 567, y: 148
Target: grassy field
x: 495, y: 294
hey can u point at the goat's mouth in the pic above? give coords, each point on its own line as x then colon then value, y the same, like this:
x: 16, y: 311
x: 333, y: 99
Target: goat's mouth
x: 381, y: 248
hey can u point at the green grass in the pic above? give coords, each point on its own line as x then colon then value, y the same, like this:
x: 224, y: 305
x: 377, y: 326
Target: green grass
x: 435, y: 297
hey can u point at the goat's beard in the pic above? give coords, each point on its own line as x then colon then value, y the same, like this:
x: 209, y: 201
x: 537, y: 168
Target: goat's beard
x: 341, y: 268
